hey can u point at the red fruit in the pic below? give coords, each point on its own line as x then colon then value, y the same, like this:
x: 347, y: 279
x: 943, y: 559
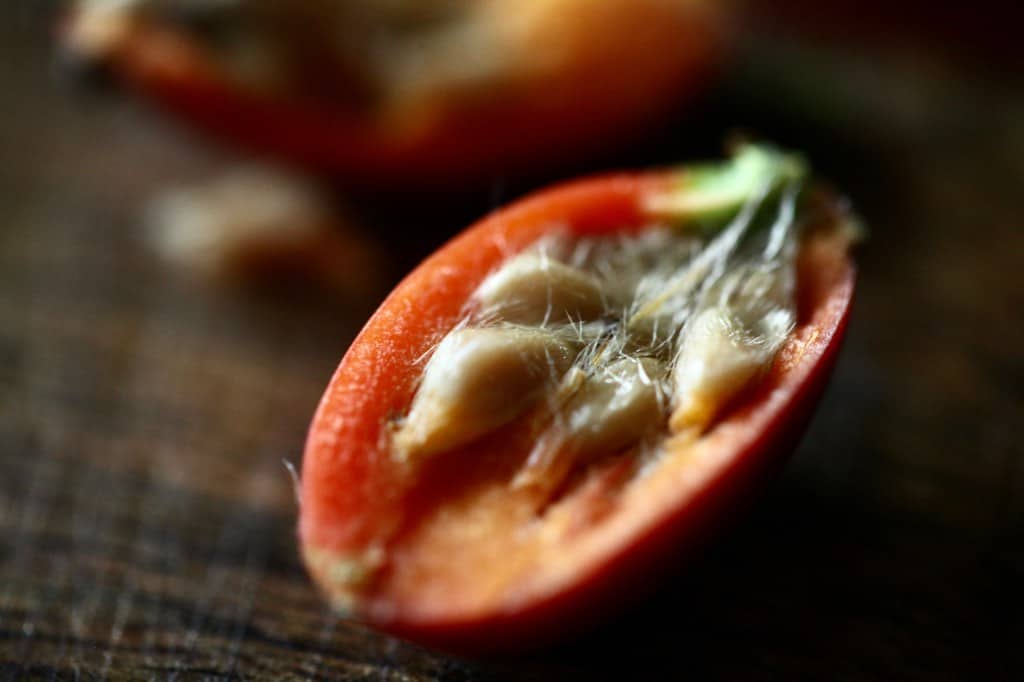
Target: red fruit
x: 594, y: 74
x: 449, y: 552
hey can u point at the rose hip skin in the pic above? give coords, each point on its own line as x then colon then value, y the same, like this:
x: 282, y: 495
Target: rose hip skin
x: 370, y: 528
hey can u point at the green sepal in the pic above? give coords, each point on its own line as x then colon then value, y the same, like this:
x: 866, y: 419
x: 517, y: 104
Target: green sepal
x: 707, y: 196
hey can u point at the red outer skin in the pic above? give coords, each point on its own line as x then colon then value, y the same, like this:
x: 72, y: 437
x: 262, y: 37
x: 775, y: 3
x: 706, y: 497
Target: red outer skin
x: 511, y: 135
x: 344, y: 495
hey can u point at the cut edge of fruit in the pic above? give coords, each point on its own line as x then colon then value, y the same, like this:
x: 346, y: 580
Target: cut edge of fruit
x: 344, y: 577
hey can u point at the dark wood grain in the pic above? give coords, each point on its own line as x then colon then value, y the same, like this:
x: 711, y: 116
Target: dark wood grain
x: 147, y: 515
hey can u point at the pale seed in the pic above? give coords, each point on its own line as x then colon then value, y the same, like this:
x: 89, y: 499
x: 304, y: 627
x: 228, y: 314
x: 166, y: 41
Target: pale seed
x: 477, y: 380
x: 535, y: 289
x: 616, y: 407
x: 600, y: 414
x: 718, y: 356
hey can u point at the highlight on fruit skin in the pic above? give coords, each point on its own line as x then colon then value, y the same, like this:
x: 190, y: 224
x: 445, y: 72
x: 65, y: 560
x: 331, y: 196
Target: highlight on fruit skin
x: 394, y: 93
x: 492, y: 467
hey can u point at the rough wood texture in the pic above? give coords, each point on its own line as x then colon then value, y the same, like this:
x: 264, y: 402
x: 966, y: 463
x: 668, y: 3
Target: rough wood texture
x: 146, y: 515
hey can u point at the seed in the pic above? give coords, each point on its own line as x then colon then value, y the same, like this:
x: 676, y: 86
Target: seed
x: 478, y: 379
x: 534, y: 289
x: 251, y: 221
x: 718, y: 356
x: 606, y: 412
x: 616, y: 407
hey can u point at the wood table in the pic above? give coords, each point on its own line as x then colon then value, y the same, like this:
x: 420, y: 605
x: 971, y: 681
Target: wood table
x: 147, y: 514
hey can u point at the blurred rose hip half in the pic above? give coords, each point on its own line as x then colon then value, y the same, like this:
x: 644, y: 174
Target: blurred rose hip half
x: 571, y: 392
x: 406, y: 92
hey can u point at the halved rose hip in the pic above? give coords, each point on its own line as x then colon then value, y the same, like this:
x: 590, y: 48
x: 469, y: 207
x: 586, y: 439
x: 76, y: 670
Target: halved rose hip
x: 390, y: 93
x: 570, y: 392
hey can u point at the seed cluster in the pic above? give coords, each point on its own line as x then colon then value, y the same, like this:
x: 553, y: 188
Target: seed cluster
x: 609, y: 343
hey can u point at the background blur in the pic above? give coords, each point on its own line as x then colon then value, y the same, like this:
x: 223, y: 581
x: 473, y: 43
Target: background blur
x: 147, y: 415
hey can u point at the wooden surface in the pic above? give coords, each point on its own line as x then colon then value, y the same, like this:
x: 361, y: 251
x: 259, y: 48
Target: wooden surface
x: 147, y: 516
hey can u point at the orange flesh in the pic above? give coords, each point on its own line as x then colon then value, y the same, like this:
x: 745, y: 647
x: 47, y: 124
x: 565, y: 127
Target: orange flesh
x: 459, y: 543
